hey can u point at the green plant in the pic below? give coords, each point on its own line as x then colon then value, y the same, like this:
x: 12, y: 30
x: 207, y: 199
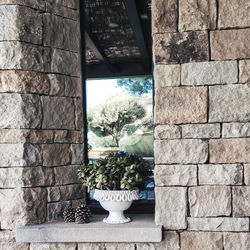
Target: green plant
x: 117, y: 171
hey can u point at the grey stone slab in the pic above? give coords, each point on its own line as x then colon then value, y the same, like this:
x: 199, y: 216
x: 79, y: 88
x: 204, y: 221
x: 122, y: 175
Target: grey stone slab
x: 141, y: 229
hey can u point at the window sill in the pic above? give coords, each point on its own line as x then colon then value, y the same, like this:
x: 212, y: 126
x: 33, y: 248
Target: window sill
x: 141, y: 229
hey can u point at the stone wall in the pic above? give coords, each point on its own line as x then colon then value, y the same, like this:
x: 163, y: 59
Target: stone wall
x: 41, y: 113
x: 202, y: 129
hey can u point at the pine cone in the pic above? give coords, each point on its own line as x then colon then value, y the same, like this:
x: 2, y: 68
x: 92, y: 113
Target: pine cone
x: 69, y: 214
x: 82, y: 214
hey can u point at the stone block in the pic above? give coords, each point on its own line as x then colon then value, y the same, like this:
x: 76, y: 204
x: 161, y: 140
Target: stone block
x: 36, y: 4
x: 160, y: 21
x: 236, y: 130
x: 233, y: 13
x: 197, y: 15
x: 175, y: 175
x: 119, y: 246
x: 66, y: 175
x: 244, y: 71
x: 56, y: 154
x: 77, y: 153
x: 167, y: 75
x: 66, y: 136
x: 185, y: 47
x: 184, y: 151
x: 55, y: 210
x: 78, y: 114
x: 167, y: 132
x: 201, y: 131
x: 181, y: 105
x: 8, y: 241
x: 229, y: 103
x: 91, y: 246
x: 209, y: 73
x: 52, y: 246
x: 20, y: 111
x: 70, y: 192
x: 236, y: 241
x: 247, y: 174
x: 201, y: 240
x: 236, y: 40
x: 241, y: 205
x: 73, y: 86
x: 229, y: 150
x: 22, y: 211
x: 171, y: 207
x: 58, y: 113
x: 209, y: 201
x: 39, y: 136
x: 57, y: 84
x: 53, y: 194
x: 224, y: 174
x: 218, y: 224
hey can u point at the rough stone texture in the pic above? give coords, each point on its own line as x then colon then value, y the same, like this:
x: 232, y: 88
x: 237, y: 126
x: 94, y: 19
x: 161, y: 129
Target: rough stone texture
x: 20, y: 155
x: 224, y: 174
x: 89, y: 246
x: 119, y: 246
x: 66, y: 175
x: 20, y: 111
x: 29, y: 206
x: 229, y: 103
x: 209, y: 73
x: 71, y: 192
x: 8, y: 242
x: 218, y: 224
x: 65, y: 136
x: 175, y: 175
x: 36, y: 4
x: 236, y: 241
x: 55, y: 210
x: 233, y: 13
x: 52, y: 246
x: 53, y: 194
x: 230, y: 150
x: 162, y: 22
x: 171, y: 207
x: 181, y: 105
x: 181, y: 151
x: 24, y: 82
x: 77, y: 153
x: 73, y: 86
x: 167, y: 132
x: 58, y: 113
x: 197, y: 15
x: 57, y: 84
x: 180, y: 47
x: 241, y: 205
x: 209, y: 201
x: 78, y: 113
x: 56, y: 154
x: 201, y: 240
x: 236, y: 130
x: 166, y: 75
x: 201, y: 131
x: 247, y: 174
x: 236, y: 40
x: 244, y: 68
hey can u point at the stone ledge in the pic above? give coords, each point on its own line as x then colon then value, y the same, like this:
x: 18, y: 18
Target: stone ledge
x: 141, y: 229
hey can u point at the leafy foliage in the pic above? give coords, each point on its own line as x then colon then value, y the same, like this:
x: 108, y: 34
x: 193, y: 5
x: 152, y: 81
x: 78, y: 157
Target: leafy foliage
x: 117, y: 171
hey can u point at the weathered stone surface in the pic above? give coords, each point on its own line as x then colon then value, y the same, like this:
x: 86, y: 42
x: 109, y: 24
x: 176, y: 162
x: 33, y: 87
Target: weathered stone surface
x: 224, y: 174
x: 36, y: 4
x: 170, y: 242
x: 166, y: 75
x: 91, y: 246
x: 8, y: 241
x: 197, y: 15
x: 17, y: 55
x: 65, y: 62
x: 162, y: 22
x: 66, y: 136
x: 181, y: 105
x: 68, y: 28
x: 70, y: 192
x: 244, y: 68
x: 77, y: 153
x: 201, y: 240
x: 52, y: 246
x: 209, y: 201
x: 171, y: 207
x: 167, y: 132
x: 233, y: 13
x: 181, y: 151
x: 24, y: 82
x: 218, y: 224
x: 236, y: 40
x: 66, y: 175
x: 236, y: 130
x: 78, y: 114
x: 229, y: 103
x: 56, y: 154
x: 39, y: 136
x: 209, y: 73
x: 20, y: 155
x: 236, y: 241
x: 119, y: 246
x: 22, y: 211
x: 201, y: 131
x: 241, y: 205
x: 230, y: 150
x: 53, y: 194
x: 57, y: 84
x: 175, y: 175
x: 58, y: 113
x: 55, y: 210
x: 247, y: 174
x: 180, y: 47
x: 73, y: 86
x: 20, y: 111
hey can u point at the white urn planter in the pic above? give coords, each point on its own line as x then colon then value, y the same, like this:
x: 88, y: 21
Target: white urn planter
x: 116, y: 202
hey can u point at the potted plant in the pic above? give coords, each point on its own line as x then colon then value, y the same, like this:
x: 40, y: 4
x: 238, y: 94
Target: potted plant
x: 116, y: 181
